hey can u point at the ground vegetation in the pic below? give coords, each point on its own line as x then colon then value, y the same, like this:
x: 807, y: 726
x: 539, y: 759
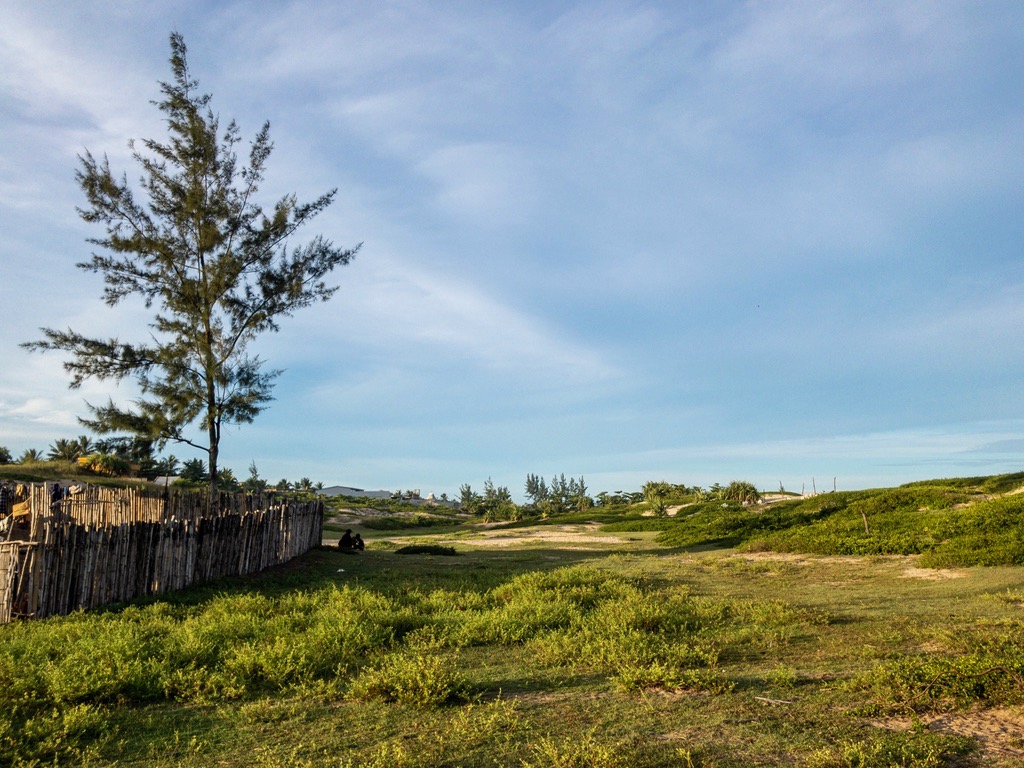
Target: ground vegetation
x: 563, y: 643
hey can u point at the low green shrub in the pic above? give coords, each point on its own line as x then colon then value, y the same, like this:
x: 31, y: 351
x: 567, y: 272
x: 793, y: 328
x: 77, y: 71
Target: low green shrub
x: 427, y: 549
x: 725, y: 524
x: 891, y: 750
x: 404, y: 645
x: 929, y: 684
x: 400, y: 522
x: 416, y: 679
x: 986, y: 533
x: 639, y: 524
x: 584, y: 753
x: 105, y: 464
x: 941, y: 523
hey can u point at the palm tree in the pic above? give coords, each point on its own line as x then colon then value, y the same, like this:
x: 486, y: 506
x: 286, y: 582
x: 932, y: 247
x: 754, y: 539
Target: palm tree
x: 226, y: 479
x: 742, y: 492
x: 65, y: 450
x: 656, y: 493
x: 305, y: 484
x: 170, y: 465
x: 30, y: 456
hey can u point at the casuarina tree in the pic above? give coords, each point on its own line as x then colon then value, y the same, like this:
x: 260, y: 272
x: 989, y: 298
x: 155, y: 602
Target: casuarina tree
x: 214, y: 267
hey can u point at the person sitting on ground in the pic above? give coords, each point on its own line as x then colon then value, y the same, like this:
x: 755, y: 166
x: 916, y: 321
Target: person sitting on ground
x: 345, y: 542
x: 357, y: 543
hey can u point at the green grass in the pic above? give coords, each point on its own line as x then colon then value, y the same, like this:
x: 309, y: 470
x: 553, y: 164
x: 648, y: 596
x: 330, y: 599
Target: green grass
x: 46, y: 471
x: 530, y: 657
x: 399, y: 523
x: 710, y: 652
x: 949, y: 522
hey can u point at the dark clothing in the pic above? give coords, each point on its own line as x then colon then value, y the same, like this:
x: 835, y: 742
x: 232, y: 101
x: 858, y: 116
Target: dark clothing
x: 357, y: 542
x: 346, y: 540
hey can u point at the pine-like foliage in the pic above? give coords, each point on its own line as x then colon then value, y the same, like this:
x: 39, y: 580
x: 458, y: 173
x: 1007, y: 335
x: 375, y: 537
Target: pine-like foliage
x: 216, y: 269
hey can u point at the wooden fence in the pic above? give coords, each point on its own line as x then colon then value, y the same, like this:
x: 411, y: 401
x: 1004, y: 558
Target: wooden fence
x: 102, y: 545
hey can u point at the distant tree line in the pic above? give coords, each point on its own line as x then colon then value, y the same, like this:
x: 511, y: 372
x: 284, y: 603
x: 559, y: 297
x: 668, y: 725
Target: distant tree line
x: 561, y: 495
x: 124, y: 456
x: 135, y: 457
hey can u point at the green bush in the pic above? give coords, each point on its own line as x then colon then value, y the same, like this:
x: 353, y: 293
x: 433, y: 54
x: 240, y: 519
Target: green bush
x: 638, y: 524
x: 106, y: 464
x: 585, y: 753
x: 416, y: 679
x: 890, y: 750
x: 427, y: 549
x: 399, y: 522
x: 940, y: 522
x: 986, y: 533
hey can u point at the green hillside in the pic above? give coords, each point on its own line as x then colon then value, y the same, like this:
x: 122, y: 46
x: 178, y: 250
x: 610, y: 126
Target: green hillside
x: 610, y: 637
x: 964, y: 521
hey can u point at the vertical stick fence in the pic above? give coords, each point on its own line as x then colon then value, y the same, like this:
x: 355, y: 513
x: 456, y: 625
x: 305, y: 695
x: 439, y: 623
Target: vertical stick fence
x: 104, y: 545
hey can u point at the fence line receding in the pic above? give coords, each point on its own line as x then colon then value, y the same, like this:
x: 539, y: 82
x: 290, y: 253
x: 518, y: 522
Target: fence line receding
x: 109, y: 545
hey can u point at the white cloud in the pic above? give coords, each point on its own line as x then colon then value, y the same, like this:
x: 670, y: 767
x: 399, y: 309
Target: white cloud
x: 483, y: 181
x: 836, y: 49
x: 36, y: 406
x: 946, y: 165
x: 546, y: 191
x: 55, y: 75
x: 391, y: 305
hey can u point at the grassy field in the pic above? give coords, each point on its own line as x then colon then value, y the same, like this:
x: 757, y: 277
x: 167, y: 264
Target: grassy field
x: 556, y: 644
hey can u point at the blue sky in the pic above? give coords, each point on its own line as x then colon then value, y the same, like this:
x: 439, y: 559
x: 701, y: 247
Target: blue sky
x: 694, y: 242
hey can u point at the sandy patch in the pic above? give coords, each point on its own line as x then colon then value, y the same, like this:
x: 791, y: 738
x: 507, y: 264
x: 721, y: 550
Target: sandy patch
x: 802, y: 559
x: 932, y: 574
x: 788, y: 557
x: 1000, y: 732
x: 563, y: 534
x: 909, y: 572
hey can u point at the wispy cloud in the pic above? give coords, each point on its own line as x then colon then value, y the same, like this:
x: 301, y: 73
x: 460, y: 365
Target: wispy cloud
x: 595, y: 228
x: 395, y: 306
x: 482, y: 182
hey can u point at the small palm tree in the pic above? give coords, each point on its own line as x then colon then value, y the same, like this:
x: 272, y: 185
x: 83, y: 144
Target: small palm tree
x: 65, y: 450
x: 30, y: 456
x: 656, y: 493
x: 742, y: 492
x: 226, y: 479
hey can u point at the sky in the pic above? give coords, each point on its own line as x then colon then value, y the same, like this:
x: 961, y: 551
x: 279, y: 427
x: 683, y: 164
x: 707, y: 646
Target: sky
x: 697, y: 242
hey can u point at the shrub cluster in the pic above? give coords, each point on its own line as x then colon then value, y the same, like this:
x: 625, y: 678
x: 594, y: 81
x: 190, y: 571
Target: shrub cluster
x: 942, y: 521
x: 63, y: 677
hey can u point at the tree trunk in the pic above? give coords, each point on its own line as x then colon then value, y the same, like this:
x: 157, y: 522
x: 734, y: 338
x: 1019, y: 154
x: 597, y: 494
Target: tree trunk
x: 213, y: 452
